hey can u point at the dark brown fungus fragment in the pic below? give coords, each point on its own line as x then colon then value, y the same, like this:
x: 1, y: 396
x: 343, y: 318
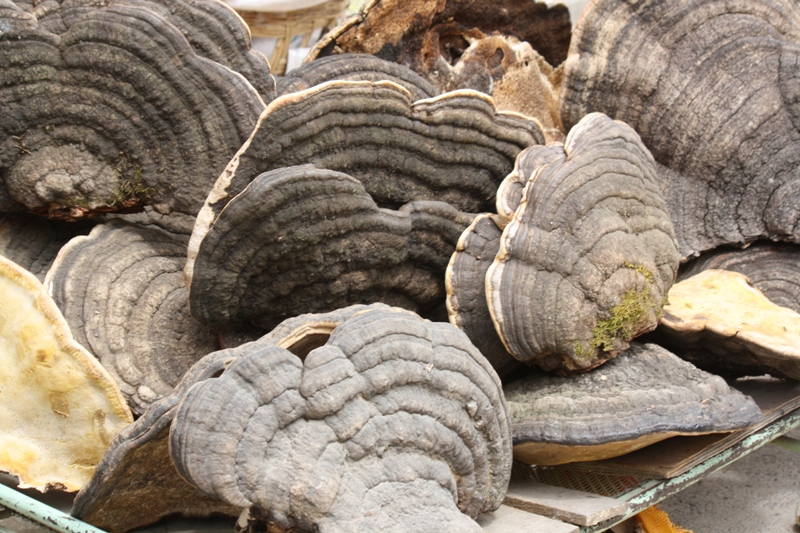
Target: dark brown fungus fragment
x: 355, y: 67
x: 586, y: 262
x: 300, y: 239
x: 772, y: 267
x: 465, y: 280
x: 431, y: 36
x: 121, y: 289
x: 33, y: 242
x: 711, y: 87
x: 394, y: 422
x: 136, y: 483
x: 645, y: 395
x: 454, y: 148
x: 113, y: 112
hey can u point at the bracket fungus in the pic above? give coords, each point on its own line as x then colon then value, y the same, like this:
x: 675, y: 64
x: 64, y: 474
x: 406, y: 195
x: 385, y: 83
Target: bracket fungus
x: 772, y: 267
x: 355, y: 67
x: 59, y: 409
x: 113, y: 111
x: 586, y: 262
x: 645, y: 395
x: 393, y: 421
x: 719, y: 321
x: 300, y: 239
x: 121, y: 289
x: 711, y: 87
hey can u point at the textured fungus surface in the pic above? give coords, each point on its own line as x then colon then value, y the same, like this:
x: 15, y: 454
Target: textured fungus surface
x: 720, y: 322
x: 355, y: 67
x: 588, y: 258
x: 429, y: 37
x: 645, y: 395
x: 111, y: 110
x: 121, y: 289
x: 772, y: 267
x: 392, y: 422
x: 712, y: 88
x: 300, y: 239
x: 59, y: 409
x: 454, y: 148
x: 465, y: 280
x: 136, y: 483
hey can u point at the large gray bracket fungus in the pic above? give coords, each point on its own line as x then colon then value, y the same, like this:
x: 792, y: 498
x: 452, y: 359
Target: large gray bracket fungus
x: 772, y: 267
x: 136, y: 483
x: 121, y: 289
x: 114, y: 111
x: 355, y: 67
x: 645, y: 395
x: 586, y: 262
x: 711, y: 87
x: 454, y: 148
x: 213, y: 28
x: 300, y: 239
x: 394, y: 424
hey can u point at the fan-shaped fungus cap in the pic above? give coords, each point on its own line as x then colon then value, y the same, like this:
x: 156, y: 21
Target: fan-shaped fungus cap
x: 59, y: 409
x: 587, y: 260
x: 720, y: 322
x: 121, y: 289
x: 393, y: 421
x: 300, y: 239
x: 645, y: 395
x: 355, y: 67
x: 136, y: 483
x: 431, y: 36
x: 772, y: 267
x: 466, y: 292
x: 114, y: 112
x: 711, y: 87
x: 454, y: 148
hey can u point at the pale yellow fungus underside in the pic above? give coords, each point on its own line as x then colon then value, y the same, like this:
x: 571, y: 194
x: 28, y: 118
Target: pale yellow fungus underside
x: 59, y: 409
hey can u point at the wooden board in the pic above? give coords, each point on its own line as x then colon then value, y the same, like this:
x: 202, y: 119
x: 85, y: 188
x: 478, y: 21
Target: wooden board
x: 573, y: 506
x: 510, y: 520
x: 677, y: 455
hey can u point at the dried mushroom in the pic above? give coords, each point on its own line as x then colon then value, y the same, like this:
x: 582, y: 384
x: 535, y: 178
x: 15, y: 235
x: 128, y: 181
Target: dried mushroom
x: 59, y: 409
x: 711, y: 87
x: 429, y: 37
x: 33, y: 242
x: 300, y: 239
x: 454, y: 148
x: 645, y: 395
x: 719, y: 321
x: 466, y: 292
x: 136, y: 483
x: 121, y: 289
x: 392, y: 422
x: 772, y: 267
x: 586, y: 262
x: 509, y: 194
x: 112, y: 112
x: 355, y: 67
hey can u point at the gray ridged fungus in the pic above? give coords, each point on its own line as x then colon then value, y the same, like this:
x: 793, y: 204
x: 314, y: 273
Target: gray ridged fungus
x: 121, y: 289
x: 393, y: 421
x: 587, y: 259
x: 711, y: 87
x: 300, y: 239
x: 645, y: 395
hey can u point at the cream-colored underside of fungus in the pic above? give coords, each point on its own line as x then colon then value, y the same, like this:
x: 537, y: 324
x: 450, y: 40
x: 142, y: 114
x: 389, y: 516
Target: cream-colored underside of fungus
x: 59, y: 409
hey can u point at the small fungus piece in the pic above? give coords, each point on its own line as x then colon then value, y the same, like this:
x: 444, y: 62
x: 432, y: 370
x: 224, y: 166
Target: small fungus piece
x: 121, y: 289
x: 586, y: 262
x: 645, y: 395
x: 300, y: 239
x: 59, y: 409
x: 719, y: 321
